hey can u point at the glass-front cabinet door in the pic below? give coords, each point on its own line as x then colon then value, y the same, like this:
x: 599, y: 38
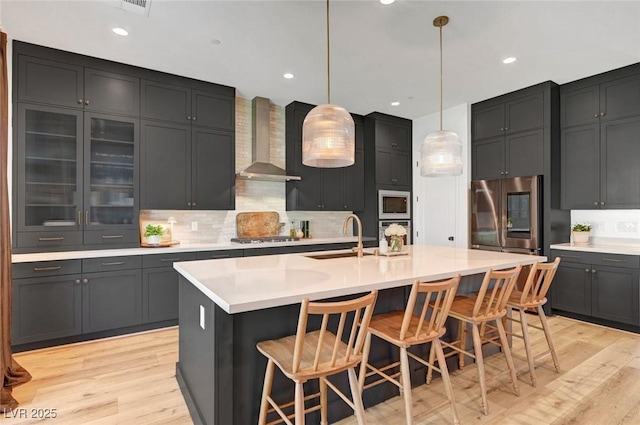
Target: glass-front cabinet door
x: 50, y: 183
x: 110, y: 172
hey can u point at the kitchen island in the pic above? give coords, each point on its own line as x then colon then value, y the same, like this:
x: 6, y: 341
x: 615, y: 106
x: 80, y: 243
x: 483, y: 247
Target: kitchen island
x: 227, y: 306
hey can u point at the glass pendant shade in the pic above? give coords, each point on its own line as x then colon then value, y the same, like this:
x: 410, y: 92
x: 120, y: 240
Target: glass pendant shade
x: 328, y: 137
x: 441, y: 154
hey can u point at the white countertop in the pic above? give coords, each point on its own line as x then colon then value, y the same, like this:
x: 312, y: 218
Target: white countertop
x: 603, y: 247
x: 253, y: 283
x: 74, y: 255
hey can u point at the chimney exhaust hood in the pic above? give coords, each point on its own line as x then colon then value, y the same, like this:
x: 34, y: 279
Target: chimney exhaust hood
x: 261, y: 168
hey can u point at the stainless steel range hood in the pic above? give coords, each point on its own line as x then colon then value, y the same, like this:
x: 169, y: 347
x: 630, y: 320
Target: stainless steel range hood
x: 261, y: 168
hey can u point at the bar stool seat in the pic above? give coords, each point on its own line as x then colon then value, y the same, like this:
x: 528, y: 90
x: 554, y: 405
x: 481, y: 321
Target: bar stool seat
x: 488, y: 305
x: 405, y: 329
x: 318, y: 354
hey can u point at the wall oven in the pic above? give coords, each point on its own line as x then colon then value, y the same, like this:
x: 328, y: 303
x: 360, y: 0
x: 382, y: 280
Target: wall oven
x: 394, y: 205
x: 505, y: 215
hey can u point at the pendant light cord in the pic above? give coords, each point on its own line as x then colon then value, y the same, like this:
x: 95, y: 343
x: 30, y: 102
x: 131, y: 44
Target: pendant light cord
x: 441, y: 84
x: 328, y: 60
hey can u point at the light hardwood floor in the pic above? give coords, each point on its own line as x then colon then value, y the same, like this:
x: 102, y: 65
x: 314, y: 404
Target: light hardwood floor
x: 130, y: 380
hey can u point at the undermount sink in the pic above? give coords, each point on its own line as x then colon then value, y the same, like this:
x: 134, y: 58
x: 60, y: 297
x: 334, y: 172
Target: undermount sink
x: 335, y: 255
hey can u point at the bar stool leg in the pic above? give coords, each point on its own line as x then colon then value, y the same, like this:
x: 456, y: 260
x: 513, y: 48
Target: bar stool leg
x: 444, y: 372
x: 356, y: 396
x: 477, y: 351
x: 547, y: 334
x: 323, y: 401
x: 527, y: 346
x: 266, y: 391
x: 363, y: 364
x: 406, y: 385
x: 299, y: 404
x: 462, y: 336
x: 507, y: 354
x: 432, y: 357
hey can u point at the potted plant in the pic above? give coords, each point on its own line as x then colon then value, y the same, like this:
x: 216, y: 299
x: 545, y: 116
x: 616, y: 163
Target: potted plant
x: 396, y: 234
x: 153, y: 234
x: 581, y: 232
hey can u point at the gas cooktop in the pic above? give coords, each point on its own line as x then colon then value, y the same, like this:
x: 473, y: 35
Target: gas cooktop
x: 266, y: 239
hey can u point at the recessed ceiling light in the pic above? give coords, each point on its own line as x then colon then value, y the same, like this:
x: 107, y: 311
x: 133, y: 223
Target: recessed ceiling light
x: 395, y: 103
x: 121, y: 31
x: 509, y: 60
x: 287, y: 75
x: 385, y: 2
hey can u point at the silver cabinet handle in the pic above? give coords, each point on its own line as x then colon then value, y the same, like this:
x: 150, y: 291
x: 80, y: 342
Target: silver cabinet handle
x: 569, y: 256
x: 59, y: 238
x: 85, y: 280
x: 602, y: 203
x: 193, y: 204
x: 112, y: 236
x: 86, y: 217
x: 501, y: 128
x: 77, y: 281
x: 613, y: 260
x: 79, y: 218
x: 593, y: 270
x: 218, y: 256
x: 166, y: 260
x: 602, y: 114
x: 114, y: 263
x: 194, y: 118
x: 595, y: 203
x: 506, y: 129
x: 189, y: 117
x: 46, y: 269
x: 80, y: 101
x: 86, y: 102
x: 587, y: 270
x: 596, y: 115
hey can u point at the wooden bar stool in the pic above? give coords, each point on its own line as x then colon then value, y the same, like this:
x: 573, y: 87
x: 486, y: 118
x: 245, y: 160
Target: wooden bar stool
x: 318, y: 355
x: 405, y: 329
x: 488, y: 305
x: 533, y: 297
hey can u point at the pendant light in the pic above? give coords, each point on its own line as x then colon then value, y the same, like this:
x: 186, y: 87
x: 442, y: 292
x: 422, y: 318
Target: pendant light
x: 328, y: 131
x: 441, y: 151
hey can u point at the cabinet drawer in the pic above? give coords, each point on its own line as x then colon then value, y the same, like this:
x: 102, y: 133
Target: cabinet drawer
x: 570, y: 256
x: 112, y: 237
x: 615, y: 260
x: 46, y: 268
x: 225, y: 253
x: 46, y: 241
x: 166, y: 260
x: 103, y: 264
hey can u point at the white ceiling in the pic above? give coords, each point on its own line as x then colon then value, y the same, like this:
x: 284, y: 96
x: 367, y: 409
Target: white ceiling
x: 379, y: 54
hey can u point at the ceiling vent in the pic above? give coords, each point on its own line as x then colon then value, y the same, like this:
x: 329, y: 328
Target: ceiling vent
x: 137, y: 6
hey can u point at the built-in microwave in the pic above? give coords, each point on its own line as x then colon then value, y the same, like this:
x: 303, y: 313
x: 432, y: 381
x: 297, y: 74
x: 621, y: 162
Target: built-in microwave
x: 394, y: 205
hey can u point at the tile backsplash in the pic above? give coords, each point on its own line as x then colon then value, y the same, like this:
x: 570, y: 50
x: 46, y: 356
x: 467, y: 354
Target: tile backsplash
x: 610, y: 223
x: 220, y: 226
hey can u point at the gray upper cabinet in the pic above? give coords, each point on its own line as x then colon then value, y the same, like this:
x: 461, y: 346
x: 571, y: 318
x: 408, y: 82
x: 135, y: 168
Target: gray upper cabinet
x: 609, y: 100
x: 68, y: 85
x: 513, y: 155
x: 178, y: 104
x: 187, y: 167
x: 512, y: 115
x: 76, y: 179
x: 188, y: 147
x: 509, y: 135
x: 600, y: 141
x: 391, y: 138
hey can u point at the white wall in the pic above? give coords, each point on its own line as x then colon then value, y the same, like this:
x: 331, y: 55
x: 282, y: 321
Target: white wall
x: 610, y: 223
x: 441, y: 204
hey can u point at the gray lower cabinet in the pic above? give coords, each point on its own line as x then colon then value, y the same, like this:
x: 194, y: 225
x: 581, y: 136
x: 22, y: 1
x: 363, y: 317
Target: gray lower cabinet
x: 160, y: 286
x: 602, y: 286
x: 56, y: 299
x: 47, y: 301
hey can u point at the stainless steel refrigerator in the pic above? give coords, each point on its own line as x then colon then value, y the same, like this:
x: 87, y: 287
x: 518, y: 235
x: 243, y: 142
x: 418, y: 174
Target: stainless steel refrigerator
x: 505, y: 215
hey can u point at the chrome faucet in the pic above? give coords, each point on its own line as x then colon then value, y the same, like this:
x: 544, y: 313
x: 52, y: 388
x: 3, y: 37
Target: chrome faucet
x: 358, y: 248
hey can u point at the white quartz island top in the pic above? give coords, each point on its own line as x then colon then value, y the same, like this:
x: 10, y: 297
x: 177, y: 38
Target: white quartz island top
x: 252, y: 283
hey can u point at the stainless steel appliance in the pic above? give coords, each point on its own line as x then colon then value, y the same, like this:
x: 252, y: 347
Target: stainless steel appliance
x: 394, y: 205
x: 505, y: 214
x: 383, y: 224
